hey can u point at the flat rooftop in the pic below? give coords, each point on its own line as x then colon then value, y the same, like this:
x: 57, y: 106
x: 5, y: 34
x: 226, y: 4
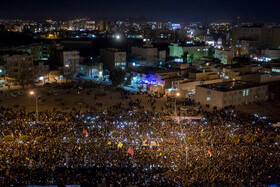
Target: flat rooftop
x: 230, y: 86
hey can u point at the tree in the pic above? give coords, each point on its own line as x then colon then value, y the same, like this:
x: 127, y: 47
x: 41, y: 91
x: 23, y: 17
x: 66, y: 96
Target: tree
x: 8, y: 138
x: 210, y: 52
x: 191, y: 58
x: 116, y: 76
x: 25, y: 138
x: 25, y: 75
x: 185, y: 57
x: 128, y: 81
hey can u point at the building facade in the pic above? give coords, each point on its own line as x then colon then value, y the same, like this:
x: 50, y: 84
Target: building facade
x: 71, y: 61
x: 225, y: 56
x: 40, y: 51
x: 93, y: 71
x: 113, y: 58
x: 20, y: 67
x: 195, y: 52
x: 251, y: 37
x: 148, y: 55
x: 41, y: 71
x: 235, y: 93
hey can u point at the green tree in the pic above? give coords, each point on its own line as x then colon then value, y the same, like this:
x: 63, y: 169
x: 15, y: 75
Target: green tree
x: 235, y: 139
x: 41, y: 138
x: 185, y: 57
x: 210, y: 52
x: 116, y: 76
x: 25, y: 138
x: 249, y: 138
x: 191, y: 58
x: 128, y: 81
x: 8, y: 138
x: 25, y: 77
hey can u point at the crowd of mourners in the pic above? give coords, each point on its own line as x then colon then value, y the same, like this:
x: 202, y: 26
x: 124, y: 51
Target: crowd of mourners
x: 137, y: 147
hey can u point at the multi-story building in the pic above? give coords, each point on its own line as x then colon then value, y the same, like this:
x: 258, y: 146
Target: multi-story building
x: 271, y: 54
x: 159, y: 35
x: 20, y: 67
x: 93, y: 71
x: 103, y: 25
x: 41, y: 71
x: 40, y: 51
x: 149, y: 54
x: 255, y: 37
x: 225, y: 56
x: 113, y: 57
x: 90, y: 25
x: 220, y: 95
x: 195, y: 52
x: 14, y: 27
x: 71, y: 61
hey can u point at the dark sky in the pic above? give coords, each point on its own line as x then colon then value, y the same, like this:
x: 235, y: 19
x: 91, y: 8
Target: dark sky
x: 165, y: 10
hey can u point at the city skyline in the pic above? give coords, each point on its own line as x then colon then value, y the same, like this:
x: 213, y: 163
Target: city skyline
x: 175, y: 11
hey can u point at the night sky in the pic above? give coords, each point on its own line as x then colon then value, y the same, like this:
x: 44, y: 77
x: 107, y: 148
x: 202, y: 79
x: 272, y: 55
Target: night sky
x: 159, y: 10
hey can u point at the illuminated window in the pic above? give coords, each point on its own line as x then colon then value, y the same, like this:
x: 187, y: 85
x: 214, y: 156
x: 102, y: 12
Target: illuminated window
x: 208, y: 99
x: 244, y: 92
x: 247, y: 92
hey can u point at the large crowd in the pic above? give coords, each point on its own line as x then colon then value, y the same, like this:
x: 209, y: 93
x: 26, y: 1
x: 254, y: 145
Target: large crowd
x: 133, y: 146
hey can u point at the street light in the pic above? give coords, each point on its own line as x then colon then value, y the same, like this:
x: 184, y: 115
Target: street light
x: 185, y: 142
x: 36, y: 102
x: 175, y: 112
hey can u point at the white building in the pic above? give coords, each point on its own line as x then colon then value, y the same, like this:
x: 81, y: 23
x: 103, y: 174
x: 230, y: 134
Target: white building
x: 271, y: 54
x: 225, y: 56
x: 93, y: 71
x: 90, y: 25
x: 149, y: 54
x: 41, y: 71
x: 71, y: 61
x: 112, y: 57
x: 235, y: 93
x: 195, y: 52
x: 19, y: 67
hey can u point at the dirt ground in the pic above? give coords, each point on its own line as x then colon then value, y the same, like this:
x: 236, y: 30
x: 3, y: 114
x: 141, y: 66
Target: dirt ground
x: 56, y: 97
